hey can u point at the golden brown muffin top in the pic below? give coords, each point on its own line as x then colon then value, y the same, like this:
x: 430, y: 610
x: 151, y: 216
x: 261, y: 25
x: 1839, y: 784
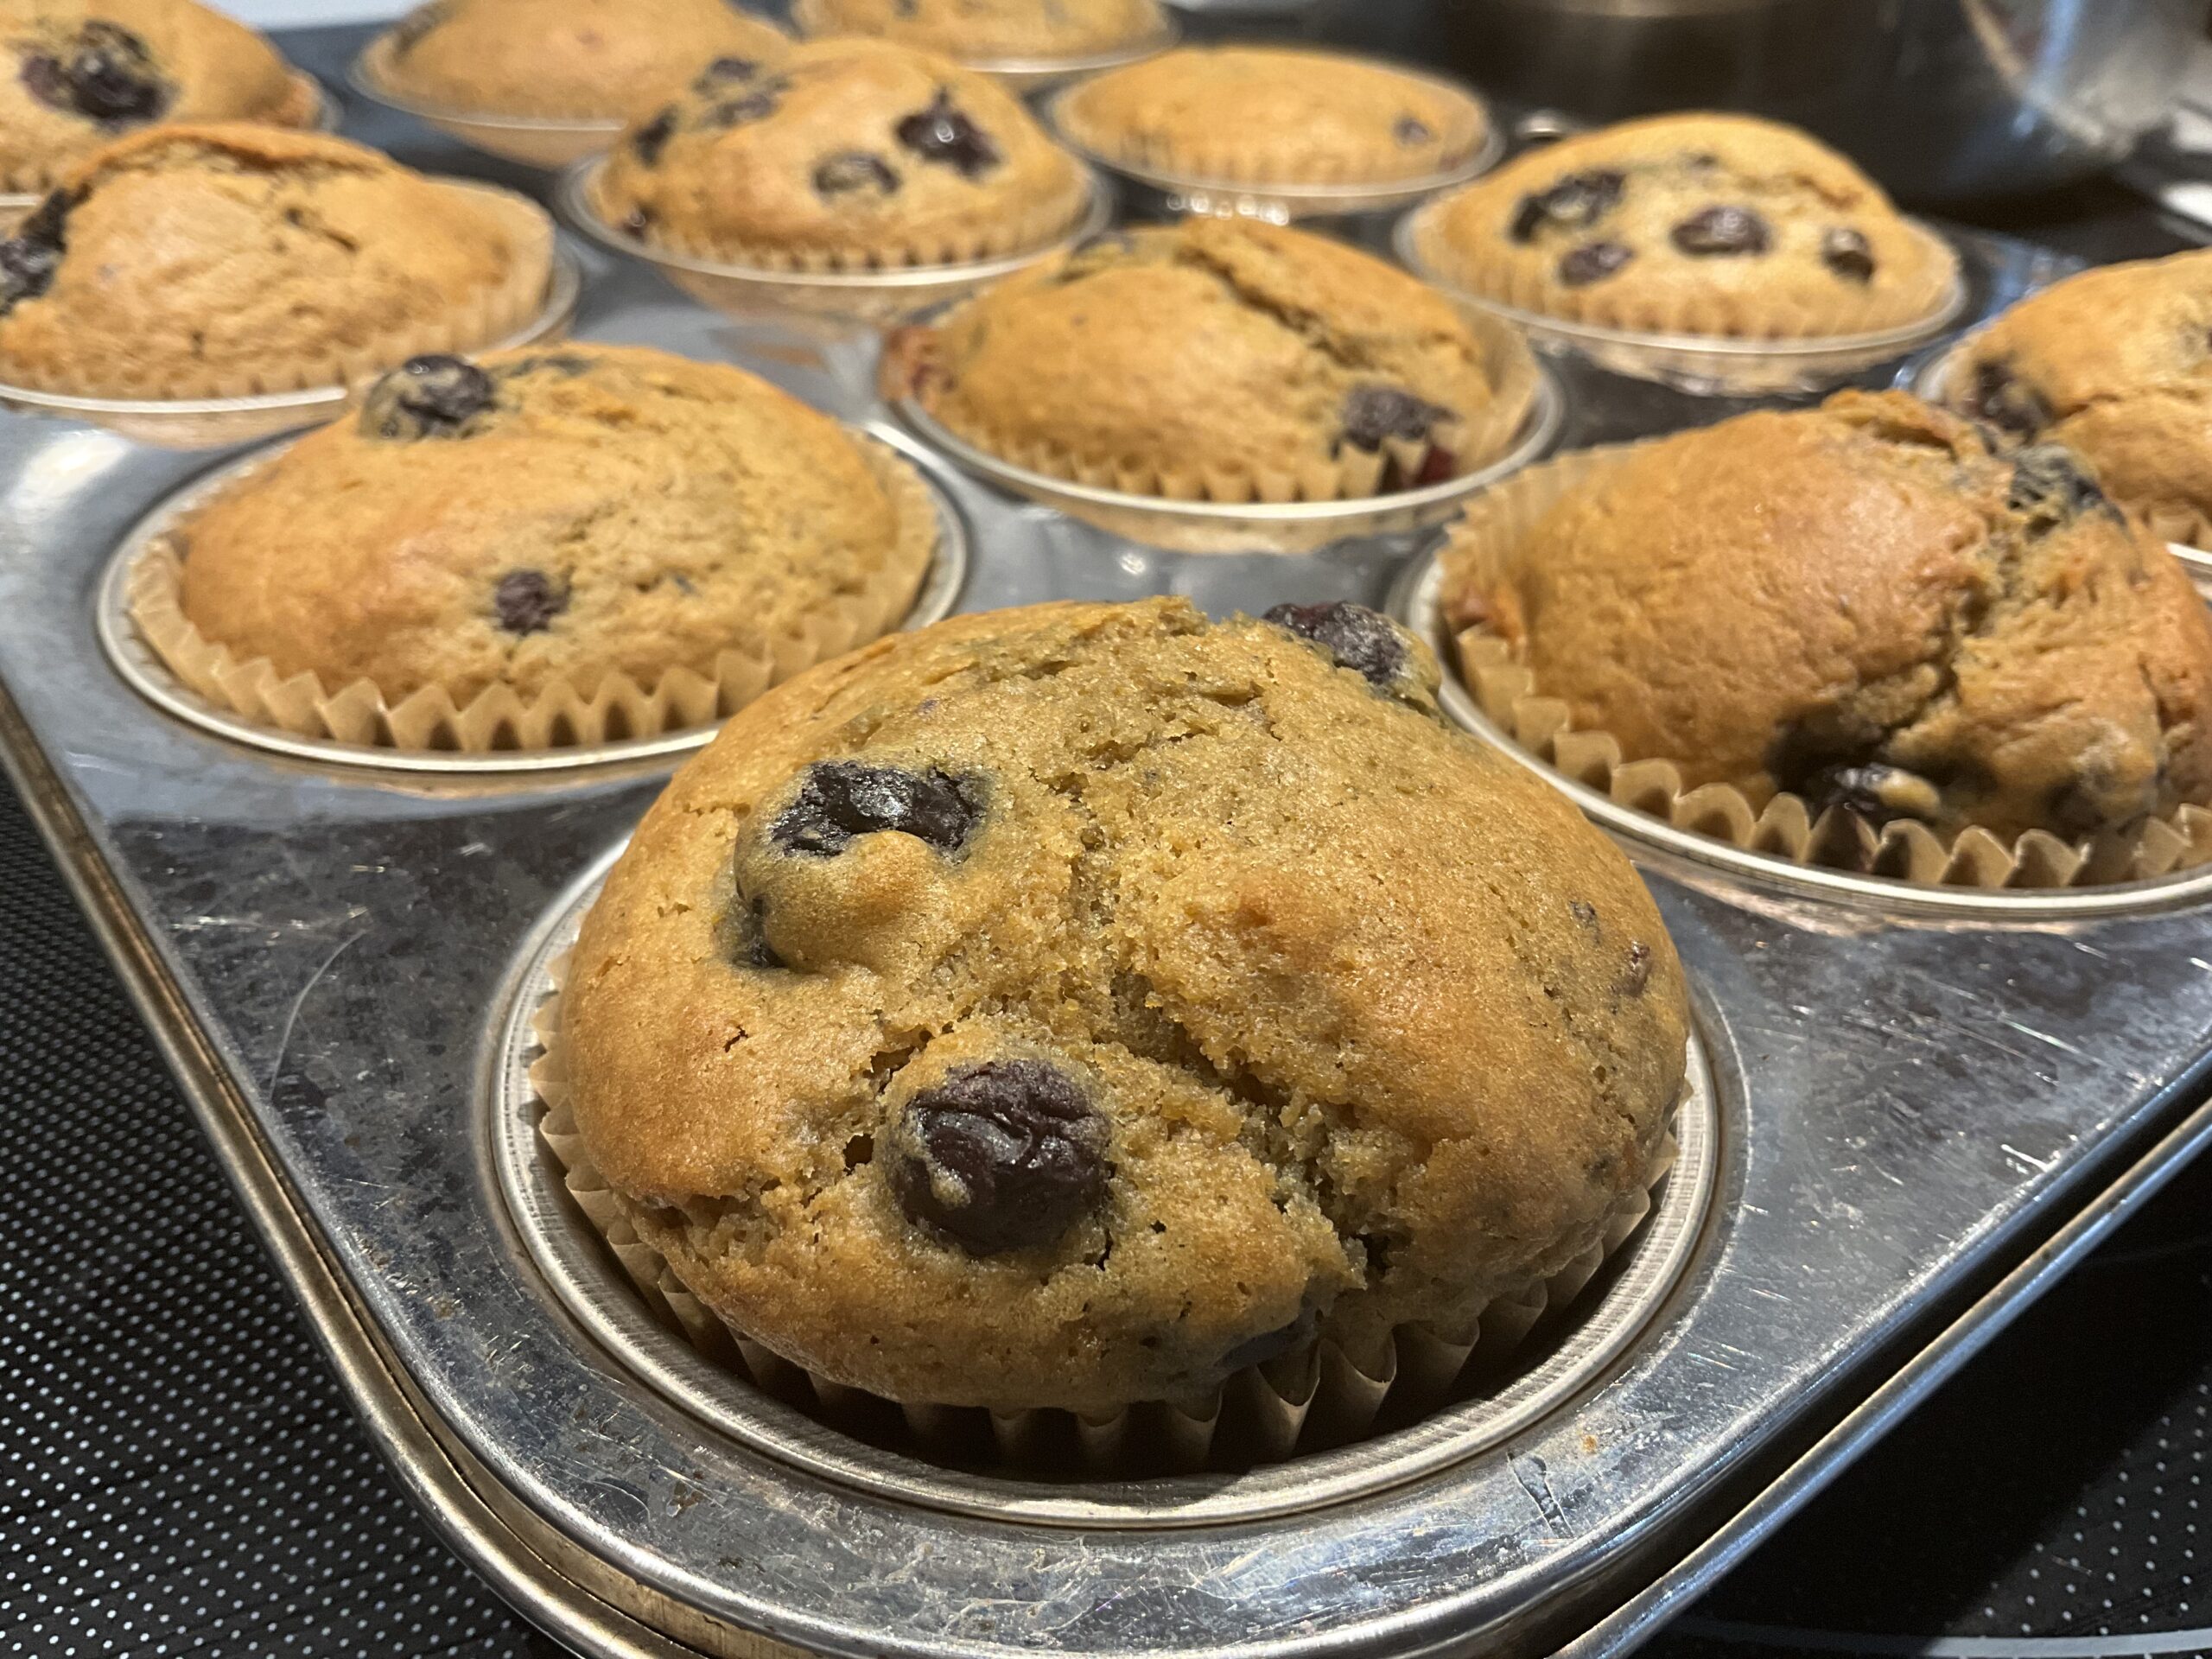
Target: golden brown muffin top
x: 76, y: 73
x: 1274, y: 114
x: 1218, y: 345
x: 573, y: 59
x: 184, y: 253
x: 1863, y: 605
x: 1701, y: 223
x: 2116, y: 362
x: 547, y: 515
x: 1057, y: 1006
x: 982, y: 30
x: 866, y: 150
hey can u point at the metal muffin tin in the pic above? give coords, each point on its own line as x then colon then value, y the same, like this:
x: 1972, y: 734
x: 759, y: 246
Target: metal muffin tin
x: 1921, y: 1119
x: 142, y: 667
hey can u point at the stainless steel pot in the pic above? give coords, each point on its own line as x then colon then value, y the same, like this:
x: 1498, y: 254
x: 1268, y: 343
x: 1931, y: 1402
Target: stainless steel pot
x: 1942, y: 99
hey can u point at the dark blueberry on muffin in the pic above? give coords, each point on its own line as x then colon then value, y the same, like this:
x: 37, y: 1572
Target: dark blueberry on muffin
x: 854, y: 169
x: 1411, y: 130
x: 526, y: 601
x: 1997, y: 397
x: 841, y: 799
x: 29, y: 258
x: 1000, y: 1156
x: 649, y: 140
x: 432, y: 396
x: 108, y: 76
x: 1722, y: 230
x: 1592, y: 262
x: 1375, y: 413
x: 1363, y: 640
x: 1577, y: 201
x: 1848, y: 254
x: 943, y: 133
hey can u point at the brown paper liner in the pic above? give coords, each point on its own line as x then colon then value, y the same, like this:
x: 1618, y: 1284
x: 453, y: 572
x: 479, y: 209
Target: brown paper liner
x: 560, y: 716
x: 1708, y: 315
x: 1315, y: 1396
x: 1486, y: 541
x: 477, y: 320
x: 909, y: 370
x: 1224, y: 161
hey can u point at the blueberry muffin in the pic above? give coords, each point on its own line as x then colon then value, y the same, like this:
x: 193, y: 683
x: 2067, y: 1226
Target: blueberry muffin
x: 76, y: 73
x: 1224, y: 358
x: 2115, y: 363
x: 1070, y: 1007
x: 1272, y: 114
x: 1865, y: 606
x: 846, y: 154
x: 988, y: 31
x: 545, y: 521
x: 573, y: 59
x: 228, y: 259
x: 1691, y: 224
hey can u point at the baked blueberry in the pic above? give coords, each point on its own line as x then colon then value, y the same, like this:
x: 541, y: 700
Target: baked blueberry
x: 432, y: 396
x: 851, y: 170
x: 1375, y: 413
x: 1577, y: 201
x: 841, y: 799
x: 2000, y: 398
x: 743, y: 936
x: 943, y: 133
x: 526, y: 601
x: 1410, y: 130
x: 1848, y: 253
x: 1364, y: 640
x: 107, y: 76
x: 722, y: 71
x: 1873, y: 790
x: 1592, y: 262
x: 651, y: 139
x: 29, y: 258
x: 756, y: 105
x: 2047, y: 478
x: 1001, y: 1156
x: 1722, y: 229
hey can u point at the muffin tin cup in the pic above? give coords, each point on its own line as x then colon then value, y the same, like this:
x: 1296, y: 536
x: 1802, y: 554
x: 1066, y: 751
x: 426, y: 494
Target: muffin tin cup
x: 1931, y: 379
x: 547, y: 141
x: 1026, y: 74
x: 1199, y: 526
x: 136, y: 568
x: 1281, y: 201
x: 211, y: 422
x: 1702, y: 365
x: 875, y: 298
x: 1974, y: 873
x: 622, y: 1291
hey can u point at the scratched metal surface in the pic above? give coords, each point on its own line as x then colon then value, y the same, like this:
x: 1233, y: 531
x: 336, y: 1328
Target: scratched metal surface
x: 1904, y: 1102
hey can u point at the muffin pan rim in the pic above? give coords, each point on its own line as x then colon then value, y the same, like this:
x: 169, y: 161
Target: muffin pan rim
x: 139, y: 667
x: 1414, y: 601
x: 572, y: 1264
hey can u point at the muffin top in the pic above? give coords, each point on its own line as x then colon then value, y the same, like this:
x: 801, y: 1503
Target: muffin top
x: 551, y: 514
x: 856, y: 151
x: 575, y: 58
x: 1697, y: 224
x: 75, y: 73
x: 982, y: 30
x: 1862, y: 605
x: 1271, y: 114
x: 1068, y: 1006
x: 1212, y: 347
x: 2116, y: 363
x: 185, y: 259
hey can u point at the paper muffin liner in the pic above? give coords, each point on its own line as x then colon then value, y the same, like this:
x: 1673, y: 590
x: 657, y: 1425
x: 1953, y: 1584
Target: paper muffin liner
x: 1317, y: 1395
x: 1487, y: 540
x: 476, y: 320
x: 303, y: 106
x: 909, y: 370
x: 1229, y: 159
x: 1027, y: 227
x: 1705, y: 314
x: 559, y: 717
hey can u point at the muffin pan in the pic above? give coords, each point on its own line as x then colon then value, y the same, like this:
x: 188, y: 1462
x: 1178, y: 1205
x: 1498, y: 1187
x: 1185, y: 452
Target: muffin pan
x: 1919, y: 1117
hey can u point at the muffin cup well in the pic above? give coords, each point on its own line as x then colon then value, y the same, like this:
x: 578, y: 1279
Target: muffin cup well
x: 1786, y: 828
x: 479, y: 320
x: 307, y: 106
x: 498, y: 722
x: 1315, y: 1396
x: 1696, y: 352
x: 1231, y: 180
x: 872, y: 288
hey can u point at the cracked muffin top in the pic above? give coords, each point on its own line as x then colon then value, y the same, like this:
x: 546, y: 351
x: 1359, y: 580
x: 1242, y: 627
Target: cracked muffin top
x: 229, y: 259
x: 1863, y: 605
x: 1272, y: 114
x: 1067, y: 1007
x: 76, y: 73
x: 2117, y: 363
x: 859, y: 152
x: 1216, y: 349
x: 1696, y: 224
x: 573, y: 59
x: 980, y: 31
x: 552, y: 516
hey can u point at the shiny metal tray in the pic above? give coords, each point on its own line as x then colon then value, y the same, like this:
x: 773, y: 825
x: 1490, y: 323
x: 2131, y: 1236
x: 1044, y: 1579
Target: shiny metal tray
x: 1920, y: 1119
